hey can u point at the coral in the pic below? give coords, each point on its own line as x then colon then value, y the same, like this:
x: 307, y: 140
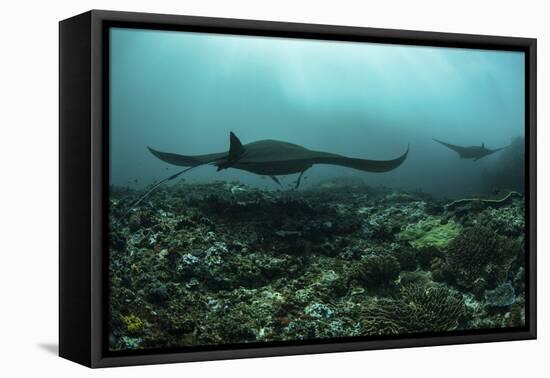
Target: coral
x: 519, y: 279
x: 407, y: 257
x: 516, y: 316
x: 436, y: 307
x: 508, y: 221
x: 130, y: 342
x: 430, y: 232
x: 502, y: 296
x: 319, y: 311
x: 437, y: 267
x: 420, y: 309
x: 398, y: 197
x: 426, y: 255
x: 117, y: 240
x: 133, y: 323
x: 387, y: 317
x: 385, y: 223
x: 158, y: 293
x: 331, y: 284
x: 478, y: 252
x: 375, y: 270
x: 134, y: 222
x: 479, y: 287
x: 416, y: 277
x: 206, y: 264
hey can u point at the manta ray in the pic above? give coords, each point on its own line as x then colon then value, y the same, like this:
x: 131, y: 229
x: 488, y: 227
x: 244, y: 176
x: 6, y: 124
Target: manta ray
x: 471, y: 152
x: 275, y: 158
x: 270, y: 158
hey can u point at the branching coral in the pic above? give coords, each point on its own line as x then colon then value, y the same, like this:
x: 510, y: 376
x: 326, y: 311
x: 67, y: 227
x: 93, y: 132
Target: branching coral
x: 387, y: 317
x: 436, y: 308
x: 430, y: 232
x: 481, y: 253
x: 420, y: 309
x: 376, y: 270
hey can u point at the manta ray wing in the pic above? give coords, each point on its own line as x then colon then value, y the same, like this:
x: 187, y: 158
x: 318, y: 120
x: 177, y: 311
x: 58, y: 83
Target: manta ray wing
x: 471, y: 152
x: 458, y: 149
x: 187, y: 160
x: 272, y: 158
x: 365, y: 165
x: 498, y: 149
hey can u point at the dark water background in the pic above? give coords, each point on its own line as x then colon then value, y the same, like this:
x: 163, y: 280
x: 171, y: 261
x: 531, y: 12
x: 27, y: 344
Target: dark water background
x: 184, y: 92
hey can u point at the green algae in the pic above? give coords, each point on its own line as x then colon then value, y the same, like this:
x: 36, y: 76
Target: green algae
x: 430, y: 232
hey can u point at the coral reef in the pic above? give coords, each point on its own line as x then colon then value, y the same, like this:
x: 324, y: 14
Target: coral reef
x: 421, y: 308
x: 224, y: 263
x: 480, y: 253
x: 436, y: 307
x: 504, y: 295
x: 508, y: 221
x: 375, y: 271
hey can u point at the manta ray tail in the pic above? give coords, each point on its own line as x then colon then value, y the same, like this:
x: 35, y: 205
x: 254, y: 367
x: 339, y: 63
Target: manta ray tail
x: 236, y: 149
x: 179, y: 160
x: 172, y: 177
x: 274, y: 178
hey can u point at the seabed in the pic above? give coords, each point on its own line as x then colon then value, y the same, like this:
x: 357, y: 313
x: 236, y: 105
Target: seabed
x: 224, y: 263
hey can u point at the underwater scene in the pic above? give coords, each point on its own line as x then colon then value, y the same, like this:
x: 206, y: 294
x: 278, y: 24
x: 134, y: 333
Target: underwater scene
x: 270, y: 189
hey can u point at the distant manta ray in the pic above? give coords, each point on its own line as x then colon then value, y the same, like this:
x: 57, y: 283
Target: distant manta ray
x: 471, y: 152
x: 270, y: 158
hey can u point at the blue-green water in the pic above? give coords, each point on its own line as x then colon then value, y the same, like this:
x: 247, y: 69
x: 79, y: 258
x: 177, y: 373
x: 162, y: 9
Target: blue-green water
x: 184, y: 92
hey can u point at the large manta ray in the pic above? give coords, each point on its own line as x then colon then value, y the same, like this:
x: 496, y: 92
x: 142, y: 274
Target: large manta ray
x: 471, y: 152
x: 273, y: 158
x: 269, y: 157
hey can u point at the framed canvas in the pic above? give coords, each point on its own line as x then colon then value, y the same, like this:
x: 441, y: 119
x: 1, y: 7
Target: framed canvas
x: 236, y: 188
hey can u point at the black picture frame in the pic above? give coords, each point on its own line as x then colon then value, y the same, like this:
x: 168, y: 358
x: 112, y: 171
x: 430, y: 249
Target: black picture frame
x: 83, y: 181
